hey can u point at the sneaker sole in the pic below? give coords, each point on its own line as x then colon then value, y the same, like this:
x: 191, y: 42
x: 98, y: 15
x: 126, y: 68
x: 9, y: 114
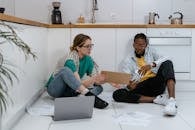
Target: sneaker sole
x: 170, y: 113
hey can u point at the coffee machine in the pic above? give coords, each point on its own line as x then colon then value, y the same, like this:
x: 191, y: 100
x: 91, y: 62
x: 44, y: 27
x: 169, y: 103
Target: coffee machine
x: 56, y: 17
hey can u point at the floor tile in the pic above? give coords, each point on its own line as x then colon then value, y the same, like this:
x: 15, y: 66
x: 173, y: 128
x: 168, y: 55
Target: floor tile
x: 29, y: 122
x: 152, y: 117
x: 122, y: 116
x: 102, y: 119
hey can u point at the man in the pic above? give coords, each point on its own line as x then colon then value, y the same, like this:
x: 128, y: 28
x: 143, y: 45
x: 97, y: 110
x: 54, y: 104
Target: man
x: 151, y: 73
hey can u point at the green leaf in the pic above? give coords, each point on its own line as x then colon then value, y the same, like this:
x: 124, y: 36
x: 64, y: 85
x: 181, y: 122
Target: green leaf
x: 9, y: 36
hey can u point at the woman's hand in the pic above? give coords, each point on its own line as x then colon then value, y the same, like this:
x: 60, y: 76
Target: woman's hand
x: 96, y: 79
x: 99, y: 78
x: 116, y: 85
x: 88, y: 82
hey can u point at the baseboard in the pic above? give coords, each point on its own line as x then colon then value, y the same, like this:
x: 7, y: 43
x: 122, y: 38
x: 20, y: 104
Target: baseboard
x: 18, y: 115
x: 35, y: 98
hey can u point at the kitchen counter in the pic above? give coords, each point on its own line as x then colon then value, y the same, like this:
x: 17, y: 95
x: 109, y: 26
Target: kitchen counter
x: 14, y: 19
x: 114, y: 25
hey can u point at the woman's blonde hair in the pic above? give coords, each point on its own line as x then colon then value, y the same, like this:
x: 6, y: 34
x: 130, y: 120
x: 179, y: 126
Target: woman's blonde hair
x: 79, y: 41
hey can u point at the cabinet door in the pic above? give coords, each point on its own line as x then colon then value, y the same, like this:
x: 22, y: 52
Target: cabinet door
x: 177, y: 49
x: 104, y: 45
x: 175, y: 44
x: 193, y: 55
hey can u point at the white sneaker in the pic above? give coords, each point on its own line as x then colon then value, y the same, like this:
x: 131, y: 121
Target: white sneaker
x: 161, y: 99
x: 171, y: 108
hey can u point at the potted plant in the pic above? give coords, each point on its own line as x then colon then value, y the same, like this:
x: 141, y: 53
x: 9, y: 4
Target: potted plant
x: 9, y: 36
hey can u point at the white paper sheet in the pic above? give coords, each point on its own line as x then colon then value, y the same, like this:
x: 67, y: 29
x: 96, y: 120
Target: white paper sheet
x: 43, y: 107
x: 133, y: 118
x: 44, y: 110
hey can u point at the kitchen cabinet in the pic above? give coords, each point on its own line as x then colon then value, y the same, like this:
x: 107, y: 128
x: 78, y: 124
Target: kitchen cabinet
x: 192, y: 68
x: 112, y: 45
x: 175, y: 44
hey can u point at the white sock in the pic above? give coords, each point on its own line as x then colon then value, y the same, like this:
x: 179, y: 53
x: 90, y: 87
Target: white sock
x: 84, y: 91
x: 172, y: 98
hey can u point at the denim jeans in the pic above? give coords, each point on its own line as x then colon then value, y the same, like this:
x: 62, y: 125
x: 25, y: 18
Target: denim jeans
x: 65, y: 84
x: 96, y: 89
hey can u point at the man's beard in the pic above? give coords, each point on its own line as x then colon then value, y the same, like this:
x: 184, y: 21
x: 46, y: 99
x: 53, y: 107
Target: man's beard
x: 139, y: 55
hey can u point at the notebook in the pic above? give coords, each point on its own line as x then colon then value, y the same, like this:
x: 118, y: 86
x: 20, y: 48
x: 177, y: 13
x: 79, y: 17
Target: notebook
x: 68, y: 108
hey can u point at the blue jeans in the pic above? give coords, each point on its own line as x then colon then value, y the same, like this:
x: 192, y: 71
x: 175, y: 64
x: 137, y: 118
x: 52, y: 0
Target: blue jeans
x: 96, y: 89
x: 65, y: 84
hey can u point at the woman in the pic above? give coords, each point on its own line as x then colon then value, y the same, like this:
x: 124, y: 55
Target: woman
x: 66, y: 81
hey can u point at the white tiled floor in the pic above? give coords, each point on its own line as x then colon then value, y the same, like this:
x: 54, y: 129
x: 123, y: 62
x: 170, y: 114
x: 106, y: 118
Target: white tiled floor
x: 117, y: 115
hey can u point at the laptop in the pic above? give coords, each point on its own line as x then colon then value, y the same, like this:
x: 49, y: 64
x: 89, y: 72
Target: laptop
x: 69, y: 108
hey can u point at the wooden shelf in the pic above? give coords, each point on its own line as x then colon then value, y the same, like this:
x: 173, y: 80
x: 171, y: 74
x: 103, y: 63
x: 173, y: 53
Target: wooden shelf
x: 14, y: 19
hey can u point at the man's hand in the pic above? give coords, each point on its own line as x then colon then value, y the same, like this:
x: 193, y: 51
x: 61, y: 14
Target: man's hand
x: 142, y: 71
x: 132, y: 85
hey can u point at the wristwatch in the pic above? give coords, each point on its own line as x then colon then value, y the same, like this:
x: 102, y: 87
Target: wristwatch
x: 153, y: 64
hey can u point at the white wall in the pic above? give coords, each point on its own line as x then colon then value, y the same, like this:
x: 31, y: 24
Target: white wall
x: 9, y: 6
x: 123, y: 11
x: 31, y: 74
x: 37, y: 10
x: 58, y: 45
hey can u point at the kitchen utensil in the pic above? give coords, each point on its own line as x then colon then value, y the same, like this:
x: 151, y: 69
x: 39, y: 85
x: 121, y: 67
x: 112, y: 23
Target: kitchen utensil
x: 56, y: 13
x: 176, y: 20
x: 152, y: 16
x: 2, y: 10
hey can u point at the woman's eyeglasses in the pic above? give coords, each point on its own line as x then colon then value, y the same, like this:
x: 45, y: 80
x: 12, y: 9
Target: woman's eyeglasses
x: 88, y: 46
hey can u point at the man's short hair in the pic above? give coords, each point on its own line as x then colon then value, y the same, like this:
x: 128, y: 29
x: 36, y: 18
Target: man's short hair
x: 141, y: 36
